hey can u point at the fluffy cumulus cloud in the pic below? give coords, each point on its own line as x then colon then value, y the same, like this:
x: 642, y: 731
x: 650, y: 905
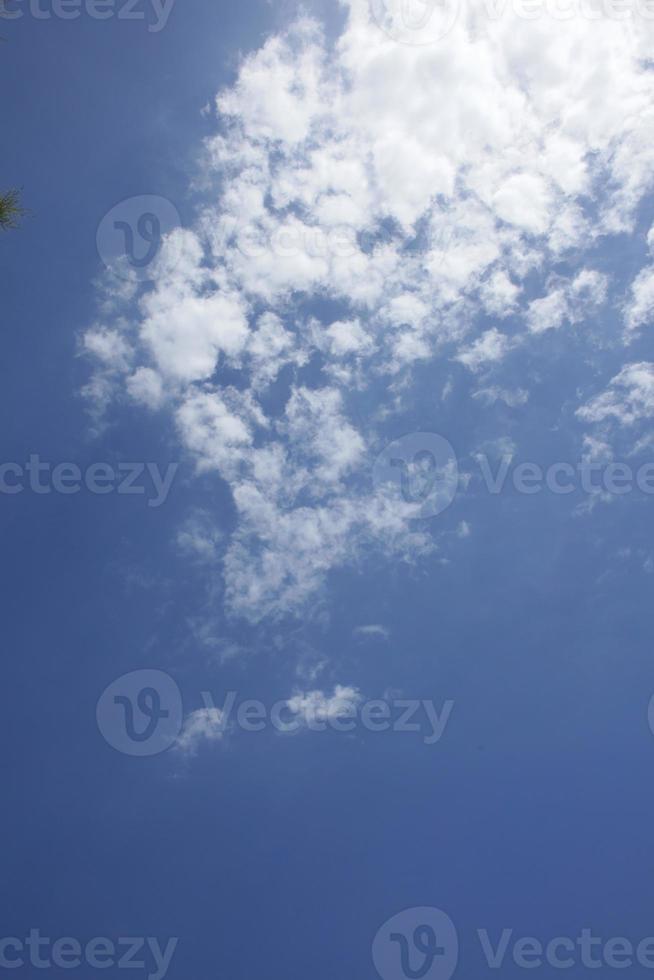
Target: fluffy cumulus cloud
x: 490, y: 347
x: 641, y: 301
x: 628, y: 399
x: 377, y: 205
x: 568, y: 301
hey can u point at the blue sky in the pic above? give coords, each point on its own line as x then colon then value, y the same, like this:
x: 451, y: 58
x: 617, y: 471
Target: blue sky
x: 391, y: 227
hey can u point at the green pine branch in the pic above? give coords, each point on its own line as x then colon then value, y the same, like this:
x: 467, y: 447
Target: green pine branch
x: 10, y: 207
x: 10, y: 210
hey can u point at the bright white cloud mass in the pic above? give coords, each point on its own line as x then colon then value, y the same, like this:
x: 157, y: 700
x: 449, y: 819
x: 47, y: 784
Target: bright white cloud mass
x: 377, y: 207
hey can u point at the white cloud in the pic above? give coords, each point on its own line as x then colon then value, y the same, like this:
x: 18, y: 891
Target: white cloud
x: 185, y: 335
x: 374, y: 630
x: 569, y: 301
x: 218, y: 426
x: 109, y: 347
x: 596, y: 450
x: 490, y: 348
x: 499, y: 295
x: 203, y: 725
x: 147, y: 387
x: 629, y: 397
x: 315, y: 707
x: 280, y: 556
x: 316, y: 425
x: 270, y: 348
x: 347, y: 337
x: 198, y: 537
x: 549, y: 312
x: 416, y: 190
x: 525, y: 200
x: 641, y: 302
x: 280, y: 89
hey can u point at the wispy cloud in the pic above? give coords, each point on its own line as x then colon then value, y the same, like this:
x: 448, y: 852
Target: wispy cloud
x: 374, y: 630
